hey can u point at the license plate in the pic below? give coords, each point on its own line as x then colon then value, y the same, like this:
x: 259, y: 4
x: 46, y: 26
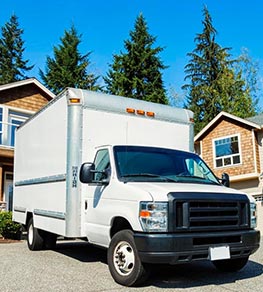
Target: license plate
x: 219, y: 253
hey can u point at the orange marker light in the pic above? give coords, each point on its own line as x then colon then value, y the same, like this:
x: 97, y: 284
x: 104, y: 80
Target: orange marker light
x: 145, y: 214
x: 130, y: 110
x: 140, y: 112
x: 150, y: 114
x: 74, y: 100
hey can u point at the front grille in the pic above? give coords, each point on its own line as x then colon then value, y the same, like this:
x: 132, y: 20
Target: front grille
x: 206, y: 214
x: 218, y: 213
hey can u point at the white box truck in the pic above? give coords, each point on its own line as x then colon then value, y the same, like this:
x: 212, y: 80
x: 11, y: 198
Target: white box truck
x: 122, y: 174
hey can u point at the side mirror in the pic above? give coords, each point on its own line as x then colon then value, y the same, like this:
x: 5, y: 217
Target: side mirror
x: 225, y: 180
x: 86, y: 174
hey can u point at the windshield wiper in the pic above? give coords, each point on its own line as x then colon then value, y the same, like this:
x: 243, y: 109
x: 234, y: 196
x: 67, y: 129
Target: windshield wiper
x: 203, y: 179
x: 164, y: 178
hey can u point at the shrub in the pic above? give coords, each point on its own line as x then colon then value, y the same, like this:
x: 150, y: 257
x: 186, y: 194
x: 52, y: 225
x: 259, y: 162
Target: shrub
x: 8, y: 228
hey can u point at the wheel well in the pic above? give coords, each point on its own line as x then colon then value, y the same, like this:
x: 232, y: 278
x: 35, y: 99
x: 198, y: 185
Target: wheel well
x: 29, y: 215
x: 118, y: 224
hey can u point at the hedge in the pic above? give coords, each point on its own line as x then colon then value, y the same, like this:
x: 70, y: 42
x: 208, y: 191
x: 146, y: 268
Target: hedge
x: 8, y: 228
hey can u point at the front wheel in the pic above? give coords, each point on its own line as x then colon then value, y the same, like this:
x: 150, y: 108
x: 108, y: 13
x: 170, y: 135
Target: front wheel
x: 231, y: 265
x: 124, y: 263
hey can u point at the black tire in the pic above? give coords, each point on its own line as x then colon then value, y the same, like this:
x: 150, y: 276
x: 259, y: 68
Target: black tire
x: 124, y: 263
x: 34, y: 239
x: 50, y: 239
x: 231, y: 265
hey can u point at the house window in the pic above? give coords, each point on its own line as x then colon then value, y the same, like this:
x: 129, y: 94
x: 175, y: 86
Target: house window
x: 227, y: 151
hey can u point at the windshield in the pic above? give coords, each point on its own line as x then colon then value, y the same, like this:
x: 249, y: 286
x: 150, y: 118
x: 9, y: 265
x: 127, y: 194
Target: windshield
x: 144, y: 164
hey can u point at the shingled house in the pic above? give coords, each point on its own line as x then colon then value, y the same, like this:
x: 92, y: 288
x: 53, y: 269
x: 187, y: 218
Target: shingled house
x: 18, y: 101
x: 235, y: 146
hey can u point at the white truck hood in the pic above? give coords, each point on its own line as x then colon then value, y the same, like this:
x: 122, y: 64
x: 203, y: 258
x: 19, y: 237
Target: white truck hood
x: 159, y: 191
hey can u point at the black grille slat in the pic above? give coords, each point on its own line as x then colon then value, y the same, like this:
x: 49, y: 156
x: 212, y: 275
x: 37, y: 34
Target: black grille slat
x: 214, y: 209
x: 214, y: 218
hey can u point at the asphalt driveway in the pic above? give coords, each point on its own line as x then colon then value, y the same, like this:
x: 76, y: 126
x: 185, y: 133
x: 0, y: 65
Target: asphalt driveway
x: 77, y: 266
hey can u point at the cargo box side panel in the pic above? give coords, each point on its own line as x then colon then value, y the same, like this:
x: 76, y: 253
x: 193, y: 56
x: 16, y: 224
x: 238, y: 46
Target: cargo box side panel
x: 40, y: 169
x: 41, y: 144
x: 47, y: 204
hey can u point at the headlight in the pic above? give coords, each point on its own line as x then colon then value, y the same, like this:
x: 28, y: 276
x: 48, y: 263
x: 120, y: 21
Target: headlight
x: 153, y: 216
x: 253, y: 215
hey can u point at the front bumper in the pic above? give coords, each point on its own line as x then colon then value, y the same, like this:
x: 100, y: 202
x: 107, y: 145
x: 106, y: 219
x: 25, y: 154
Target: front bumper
x: 182, y: 248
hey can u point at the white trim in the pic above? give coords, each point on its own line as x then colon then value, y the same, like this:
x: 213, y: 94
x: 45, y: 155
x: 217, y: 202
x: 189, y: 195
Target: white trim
x: 241, y: 177
x: 243, y: 121
x: 26, y: 82
x: 225, y: 156
x: 18, y: 109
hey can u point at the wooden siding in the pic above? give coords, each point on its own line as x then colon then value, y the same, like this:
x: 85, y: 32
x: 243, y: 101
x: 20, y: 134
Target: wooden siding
x: 28, y: 97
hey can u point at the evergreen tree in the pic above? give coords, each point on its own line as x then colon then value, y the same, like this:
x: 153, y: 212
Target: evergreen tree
x: 137, y: 72
x: 248, y: 68
x: 12, y: 65
x: 214, y: 84
x: 68, y: 68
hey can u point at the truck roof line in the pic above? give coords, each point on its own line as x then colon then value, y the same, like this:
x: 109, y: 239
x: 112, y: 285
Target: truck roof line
x: 118, y: 104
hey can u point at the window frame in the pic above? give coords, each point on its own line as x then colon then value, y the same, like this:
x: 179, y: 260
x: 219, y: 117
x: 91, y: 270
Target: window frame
x: 227, y: 156
x: 98, y: 177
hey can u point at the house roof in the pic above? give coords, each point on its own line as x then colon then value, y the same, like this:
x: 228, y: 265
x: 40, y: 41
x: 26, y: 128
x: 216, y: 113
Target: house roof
x: 27, y: 82
x: 256, y: 119
x: 253, y: 122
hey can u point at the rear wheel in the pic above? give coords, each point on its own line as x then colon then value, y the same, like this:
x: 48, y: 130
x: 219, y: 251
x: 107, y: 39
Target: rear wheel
x: 123, y: 260
x: 34, y: 239
x: 231, y: 265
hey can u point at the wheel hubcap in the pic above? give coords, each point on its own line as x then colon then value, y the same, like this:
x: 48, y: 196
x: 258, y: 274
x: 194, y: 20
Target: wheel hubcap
x: 124, y: 258
x: 30, y: 234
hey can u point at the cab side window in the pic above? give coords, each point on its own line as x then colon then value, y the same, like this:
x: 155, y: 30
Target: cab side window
x: 102, y: 163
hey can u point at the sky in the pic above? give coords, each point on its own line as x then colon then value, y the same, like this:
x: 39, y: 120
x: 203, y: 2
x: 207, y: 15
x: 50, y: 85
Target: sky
x: 105, y: 25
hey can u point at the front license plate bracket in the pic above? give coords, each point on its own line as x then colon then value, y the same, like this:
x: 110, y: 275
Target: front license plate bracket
x: 219, y: 253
